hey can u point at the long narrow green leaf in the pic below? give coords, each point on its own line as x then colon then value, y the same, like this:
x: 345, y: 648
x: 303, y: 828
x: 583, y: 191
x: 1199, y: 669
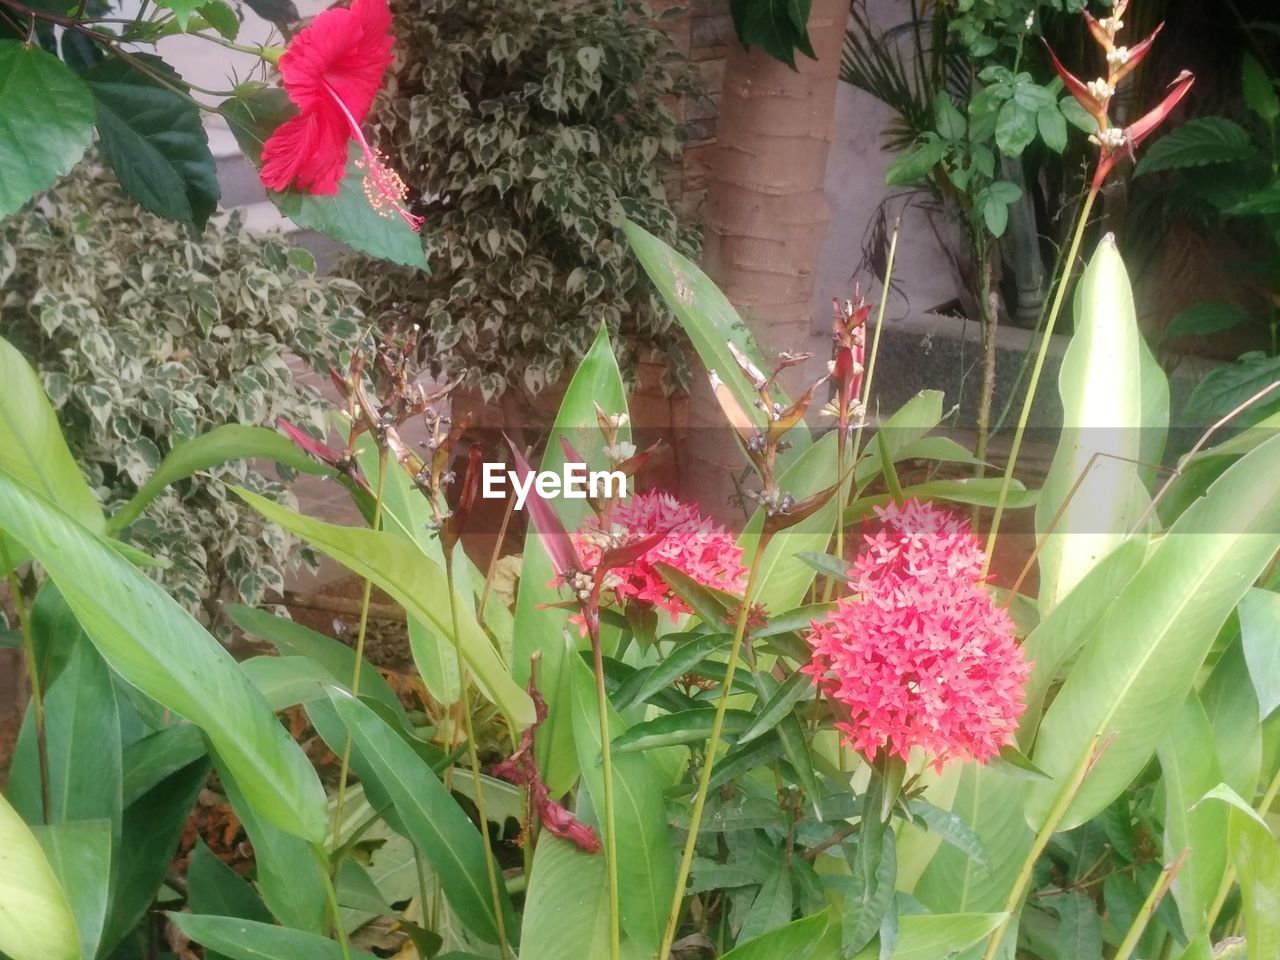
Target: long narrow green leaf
x: 1256, y: 855
x: 80, y: 854
x: 646, y: 859
x: 230, y: 441
x: 36, y: 922
x: 155, y: 645
x: 566, y: 911
x: 251, y: 940
x: 672, y: 729
x: 414, y: 582
x: 1141, y: 661
x: 779, y: 704
x: 1101, y: 388
x: 795, y: 941
x: 430, y: 815
x: 538, y: 628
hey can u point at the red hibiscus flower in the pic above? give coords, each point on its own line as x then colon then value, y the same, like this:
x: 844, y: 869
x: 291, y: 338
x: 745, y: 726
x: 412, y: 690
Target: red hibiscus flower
x: 332, y: 70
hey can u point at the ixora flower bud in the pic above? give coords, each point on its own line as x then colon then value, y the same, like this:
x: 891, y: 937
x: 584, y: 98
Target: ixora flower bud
x: 918, y: 655
x: 332, y: 70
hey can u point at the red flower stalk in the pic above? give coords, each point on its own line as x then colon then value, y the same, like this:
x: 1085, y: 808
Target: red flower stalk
x: 918, y: 655
x: 1095, y: 96
x: 332, y: 70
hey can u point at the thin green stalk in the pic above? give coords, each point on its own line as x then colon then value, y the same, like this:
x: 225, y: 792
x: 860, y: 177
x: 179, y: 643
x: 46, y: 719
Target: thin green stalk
x: 1041, y: 841
x: 1059, y: 295
x: 331, y: 897
x: 610, y: 823
x: 365, y: 595
x: 424, y: 901
x: 473, y: 759
x: 1229, y: 877
x: 33, y: 678
x: 1148, y: 909
x: 709, y: 759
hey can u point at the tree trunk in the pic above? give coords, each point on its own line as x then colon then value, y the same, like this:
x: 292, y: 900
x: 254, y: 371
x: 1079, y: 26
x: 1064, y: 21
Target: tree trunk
x: 766, y: 219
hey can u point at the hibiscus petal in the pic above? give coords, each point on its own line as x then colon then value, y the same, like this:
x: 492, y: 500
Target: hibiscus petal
x: 307, y: 151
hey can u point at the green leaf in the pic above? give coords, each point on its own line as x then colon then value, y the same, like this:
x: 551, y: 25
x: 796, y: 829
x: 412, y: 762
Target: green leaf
x: 36, y: 922
x: 1101, y: 388
x: 213, y: 887
x: 1196, y: 143
x: 221, y: 17
x: 779, y: 705
x: 155, y: 140
x: 1190, y: 770
x: 682, y: 659
x: 566, y: 911
x: 285, y: 682
x: 48, y: 122
x: 951, y: 829
x: 772, y: 906
x: 1259, y: 629
x: 1256, y: 855
x: 414, y: 582
x: 539, y: 628
x: 1232, y: 709
x: 346, y: 217
x: 1079, y: 926
x: 224, y: 443
x: 294, y: 640
x: 1228, y: 386
x: 151, y: 828
x: 158, y: 756
x: 995, y: 214
x: 646, y: 859
x: 157, y: 647
x: 800, y: 940
x: 1259, y: 93
x: 873, y: 865
x: 32, y: 449
x: 1077, y: 116
x: 432, y: 818
x: 916, y: 164
x: 672, y: 729
x: 1053, y: 128
x: 1015, y: 128
x: 251, y: 940
x: 1143, y: 656
x: 1202, y: 319
x: 706, y: 315
x: 950, y: 121
x: 182, y: 9
x: 80, y: 854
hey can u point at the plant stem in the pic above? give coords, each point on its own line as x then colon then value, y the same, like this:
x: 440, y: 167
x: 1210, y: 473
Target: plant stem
x: 1059, y: 295
x: 1148, y: 909
x: 606, y: 760
x: 713, y: 744
x: 473, y: 760
x: 331, y: 897
x: 1038, y: 845
x: 366, y: 593
x: 33, y: 677
x: 990, y: 322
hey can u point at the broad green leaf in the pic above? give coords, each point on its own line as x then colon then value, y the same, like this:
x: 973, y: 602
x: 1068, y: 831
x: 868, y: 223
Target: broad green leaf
x: 1228, y: 386
x: 706, y: 315
x: 646, y: 860
x: 978, y: 491
x: 83, y: 745
x: 158, y: 756
x: 250, y: 940
x: 214, y: 888
x: 1232, y: 709
x: 1057, y: 639
x: 1260, y: 635
x: 347, y: 217
x: 904, y: 430
x: 1141, y: 661
x: 772, y: 906
x: 430, y: 815
x: 873, y: 865
x: 294, y: 640
x: 1196, y: 143
x: 1259, y: 93
x: 414, y: 582
x: 80, y: 854
x: 32, y: 449
x: 285, y: 682
x: 542, y: 629
x: 1255, y: 852
x: 1079, y: 926
x: 157, y: 647
x: 1190, y: 769
x: 154, y: 139
x: 36, y: 922
x: 1101, y: 388
x: 1202, y: 319
x: 566, y: 911
x: 289, y: 876
x: 150, y: 830
x: 48, y: 122
x: 1155, y: 414
x: 799, y: 940
x: 951, y: 829
x: 925, y: 937
x: 229, y: 441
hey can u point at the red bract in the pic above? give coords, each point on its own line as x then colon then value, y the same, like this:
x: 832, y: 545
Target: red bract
x: 690, y: 543
x: 332, y: 70
x: 919, y: 655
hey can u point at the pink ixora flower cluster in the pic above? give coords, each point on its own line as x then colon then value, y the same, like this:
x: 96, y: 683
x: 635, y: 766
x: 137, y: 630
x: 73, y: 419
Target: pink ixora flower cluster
x: 918, y: 654
x: 694, y: 545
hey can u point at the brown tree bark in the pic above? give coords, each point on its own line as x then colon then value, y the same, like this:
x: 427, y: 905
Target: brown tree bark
x: 766, y: 219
